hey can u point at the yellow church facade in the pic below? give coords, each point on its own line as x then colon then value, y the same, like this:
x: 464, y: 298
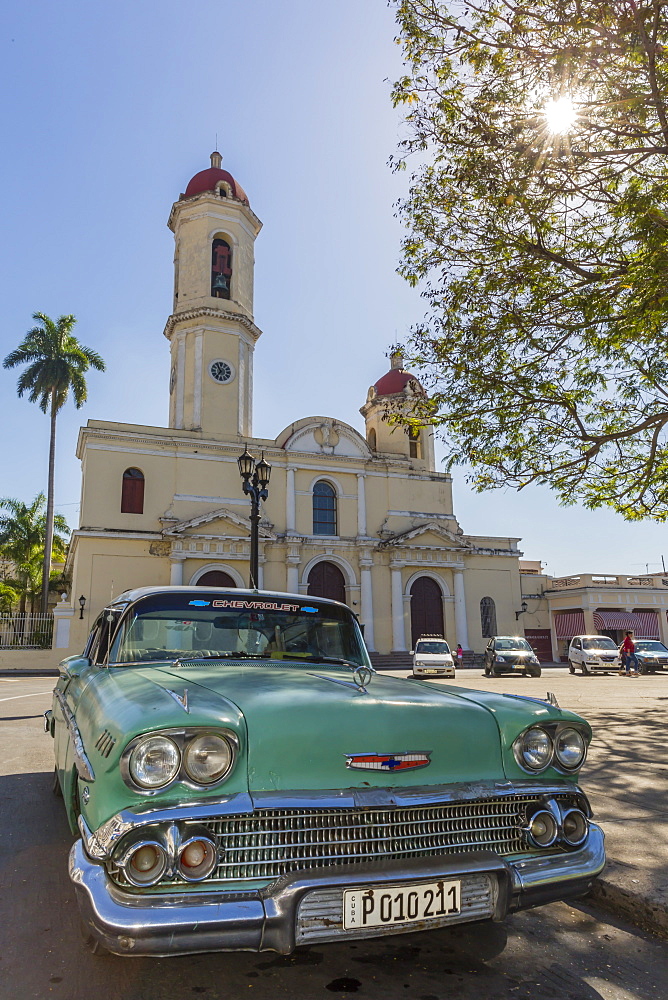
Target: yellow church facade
x: 363, y: 518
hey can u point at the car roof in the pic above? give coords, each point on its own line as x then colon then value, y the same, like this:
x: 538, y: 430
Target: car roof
x: 128, y: 596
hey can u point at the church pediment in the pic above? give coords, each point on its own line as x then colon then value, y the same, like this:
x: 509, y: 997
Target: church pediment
x: 431, y: 534
x: 323, y: 436
x: 220, y: 523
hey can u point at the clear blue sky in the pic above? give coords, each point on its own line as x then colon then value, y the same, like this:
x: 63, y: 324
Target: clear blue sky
x: 109, y: 110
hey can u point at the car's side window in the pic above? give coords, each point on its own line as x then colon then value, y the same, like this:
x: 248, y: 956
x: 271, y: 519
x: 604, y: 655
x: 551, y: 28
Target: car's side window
x: 99, y: 641
x: 578, y: 644
x: 93, y: 639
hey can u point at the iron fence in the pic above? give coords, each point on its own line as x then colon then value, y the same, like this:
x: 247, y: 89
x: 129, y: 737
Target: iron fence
x: 26, y: 631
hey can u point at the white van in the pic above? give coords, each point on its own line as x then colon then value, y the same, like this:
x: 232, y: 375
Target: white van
x: 432, y: 656
x: 594, y: 654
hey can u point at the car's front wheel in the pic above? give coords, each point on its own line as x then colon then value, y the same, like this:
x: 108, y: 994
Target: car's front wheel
x: 496, y: 671
x: 571, y: 668
x: 535, y: 672
x: 585, y: 670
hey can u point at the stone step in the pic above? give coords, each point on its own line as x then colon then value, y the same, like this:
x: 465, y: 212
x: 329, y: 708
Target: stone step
x: 391, y: 661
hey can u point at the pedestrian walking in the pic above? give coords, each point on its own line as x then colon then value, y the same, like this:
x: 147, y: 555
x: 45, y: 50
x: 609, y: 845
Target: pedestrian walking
x: 459, y: 653
x: 627, y: 652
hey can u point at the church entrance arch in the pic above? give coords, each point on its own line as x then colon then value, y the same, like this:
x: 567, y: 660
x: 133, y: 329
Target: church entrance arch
x: 215, y: 578
x: 426, y: 609
x: 327, y: 580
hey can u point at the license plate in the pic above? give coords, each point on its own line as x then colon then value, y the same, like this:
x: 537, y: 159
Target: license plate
x: 429, y: 670
x: 400, y: 904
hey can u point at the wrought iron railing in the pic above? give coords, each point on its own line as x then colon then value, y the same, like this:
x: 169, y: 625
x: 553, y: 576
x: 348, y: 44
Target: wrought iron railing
x: 26, y: 631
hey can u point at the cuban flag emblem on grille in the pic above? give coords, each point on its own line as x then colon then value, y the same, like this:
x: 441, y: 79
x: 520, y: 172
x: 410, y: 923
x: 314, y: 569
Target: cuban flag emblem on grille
x: 388, y: 762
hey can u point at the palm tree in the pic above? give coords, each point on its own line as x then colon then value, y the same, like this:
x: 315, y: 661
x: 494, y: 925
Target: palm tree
x: 22, y: 536
x: 57, y: 362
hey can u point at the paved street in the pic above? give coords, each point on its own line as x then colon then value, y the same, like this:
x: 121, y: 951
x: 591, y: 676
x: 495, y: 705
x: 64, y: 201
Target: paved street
x: 560, y: 950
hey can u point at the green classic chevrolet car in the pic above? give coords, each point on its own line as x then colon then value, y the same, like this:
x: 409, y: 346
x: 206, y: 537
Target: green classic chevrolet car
x: 242, y: 779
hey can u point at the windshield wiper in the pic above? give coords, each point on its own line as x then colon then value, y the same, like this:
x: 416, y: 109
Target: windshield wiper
x: 240, y: 655
x: 328, y: 659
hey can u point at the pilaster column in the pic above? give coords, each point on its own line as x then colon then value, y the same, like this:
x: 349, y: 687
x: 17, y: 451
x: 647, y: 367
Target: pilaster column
x: 290, y: 501
x: 62, y: 619
x: 293, y: 561
x: 176, y: 570
x: 461, y: 623
x: 398, y: 630
x: 366, y: 597
x: 361, y: 505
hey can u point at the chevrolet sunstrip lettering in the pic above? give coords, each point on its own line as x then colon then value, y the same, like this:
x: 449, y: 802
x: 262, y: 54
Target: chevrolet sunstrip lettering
x: 240, y: 778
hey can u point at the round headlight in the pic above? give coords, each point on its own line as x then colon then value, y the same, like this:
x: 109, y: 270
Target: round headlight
x: 154, y: 762
x: 536, y: 749
x: 575, y: 827
x: 570, y: 748
x: 208, y: 758
x: 146, y: 863
x: 197, y: 859
x: 543, y: 829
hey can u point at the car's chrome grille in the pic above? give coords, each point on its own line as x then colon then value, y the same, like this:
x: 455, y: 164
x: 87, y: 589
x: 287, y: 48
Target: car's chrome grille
x: 273, y: 842
x: 269, y: 843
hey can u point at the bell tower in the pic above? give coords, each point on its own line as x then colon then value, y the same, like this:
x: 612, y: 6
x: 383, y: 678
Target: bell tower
x: 211, y: 331
x: 398, y: 392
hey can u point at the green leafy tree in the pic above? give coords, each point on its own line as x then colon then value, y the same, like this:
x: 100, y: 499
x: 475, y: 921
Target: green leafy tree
x: 22, y: 535
x: 56, y: 363
x: 8, y: 598
x: 537, y: 223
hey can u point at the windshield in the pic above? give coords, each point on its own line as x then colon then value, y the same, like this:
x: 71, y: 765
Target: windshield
x: 512, y: 644
x: 599, y: 642
x: 433, y: 646
x: 647, y: 646
x: 220, y: 626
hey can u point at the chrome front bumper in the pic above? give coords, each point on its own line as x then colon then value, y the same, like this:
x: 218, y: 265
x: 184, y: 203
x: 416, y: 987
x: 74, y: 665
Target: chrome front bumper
x: 280, y: 917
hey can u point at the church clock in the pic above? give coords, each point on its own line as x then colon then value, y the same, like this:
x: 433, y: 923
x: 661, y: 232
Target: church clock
x: 221, y: 372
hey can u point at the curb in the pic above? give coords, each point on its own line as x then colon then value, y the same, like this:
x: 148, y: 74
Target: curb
x: 636, y: 909
x: 37, y: 672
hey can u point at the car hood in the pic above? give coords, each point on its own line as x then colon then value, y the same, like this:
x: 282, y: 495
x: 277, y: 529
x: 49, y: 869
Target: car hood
x: 297, y: 726
x: 303, y: 722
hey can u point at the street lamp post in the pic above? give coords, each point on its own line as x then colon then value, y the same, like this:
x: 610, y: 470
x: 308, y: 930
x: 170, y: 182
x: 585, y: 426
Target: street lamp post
x: 255, y: 476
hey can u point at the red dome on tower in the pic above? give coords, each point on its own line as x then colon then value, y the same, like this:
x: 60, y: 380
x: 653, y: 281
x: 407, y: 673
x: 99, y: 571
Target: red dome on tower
x: 396, y: 379
x: 206, y: 180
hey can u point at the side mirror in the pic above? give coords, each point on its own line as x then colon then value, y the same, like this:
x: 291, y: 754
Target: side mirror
x: 72, y: 666
x: 412, y: 652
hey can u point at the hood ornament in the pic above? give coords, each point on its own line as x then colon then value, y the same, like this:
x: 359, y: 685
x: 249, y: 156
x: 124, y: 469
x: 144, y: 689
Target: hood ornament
x: 182, y: 700
x: 388, y: 762
x: 362, y: 677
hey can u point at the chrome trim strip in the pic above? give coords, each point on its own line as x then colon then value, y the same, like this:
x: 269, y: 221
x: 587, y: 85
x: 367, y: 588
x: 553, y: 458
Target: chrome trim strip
x: 81, y: 762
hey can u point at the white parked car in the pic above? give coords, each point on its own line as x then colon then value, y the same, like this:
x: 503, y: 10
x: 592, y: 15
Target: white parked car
x: 432, y: 656
x: 593, y: 654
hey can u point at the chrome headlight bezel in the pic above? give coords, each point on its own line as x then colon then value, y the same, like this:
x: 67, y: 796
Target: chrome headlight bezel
x: 181, y: 738
x: 520, y: 749
x: 553, y: 731
x: 191, y: 748
x: 136, y: 762
x: 559, y: 735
